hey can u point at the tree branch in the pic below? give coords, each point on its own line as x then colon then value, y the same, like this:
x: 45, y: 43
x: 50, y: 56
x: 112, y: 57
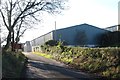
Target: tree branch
x: 26, y: 8
x: 3, y: 17
x: 22, y: 32
x: 18, y: 31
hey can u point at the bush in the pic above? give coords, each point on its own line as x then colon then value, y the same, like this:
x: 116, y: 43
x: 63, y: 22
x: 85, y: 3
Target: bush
x: 51, y: 43
x: 55, y: 43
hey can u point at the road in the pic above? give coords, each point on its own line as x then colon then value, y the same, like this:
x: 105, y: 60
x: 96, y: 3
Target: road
x: 43, y: 68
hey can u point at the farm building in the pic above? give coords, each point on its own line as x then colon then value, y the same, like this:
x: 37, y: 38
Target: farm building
x: 27, y: 46
x: 78, y: 35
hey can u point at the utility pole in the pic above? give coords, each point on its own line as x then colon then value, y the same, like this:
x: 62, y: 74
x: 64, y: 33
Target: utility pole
x: 119, y: 16
x: 55, y: 31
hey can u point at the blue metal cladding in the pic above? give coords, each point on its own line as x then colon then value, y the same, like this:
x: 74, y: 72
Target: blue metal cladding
x: 87, y: 34
x: 69, y: 34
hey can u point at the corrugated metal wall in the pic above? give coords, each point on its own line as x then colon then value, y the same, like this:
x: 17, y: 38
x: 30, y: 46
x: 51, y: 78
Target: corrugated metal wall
x: 36, y: 43
x: 69, y: 34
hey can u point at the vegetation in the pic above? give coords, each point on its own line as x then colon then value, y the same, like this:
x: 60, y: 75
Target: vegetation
x: 55, y: 43
x: 102, y: 61
x: 13, y: 64
x: 51, y: 43
x: 43, y: 54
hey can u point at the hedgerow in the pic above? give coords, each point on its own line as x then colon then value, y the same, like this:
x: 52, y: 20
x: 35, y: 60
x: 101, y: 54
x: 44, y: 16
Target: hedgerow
x: 13, y: 64
x: 102, y: 61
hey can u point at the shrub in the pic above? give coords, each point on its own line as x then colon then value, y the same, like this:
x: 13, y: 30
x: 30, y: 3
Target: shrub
x: 51, y: 43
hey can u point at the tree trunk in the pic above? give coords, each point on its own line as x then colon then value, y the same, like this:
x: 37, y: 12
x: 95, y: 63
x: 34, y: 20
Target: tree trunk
x: 16, y: 43
x: 8, y: 41
x: 13, y: 42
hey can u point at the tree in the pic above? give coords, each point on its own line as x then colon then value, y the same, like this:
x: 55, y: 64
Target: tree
x: 17, y: 15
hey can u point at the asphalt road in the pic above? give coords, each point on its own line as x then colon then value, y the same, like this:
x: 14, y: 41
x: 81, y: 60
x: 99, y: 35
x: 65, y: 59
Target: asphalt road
x: 43, y: 68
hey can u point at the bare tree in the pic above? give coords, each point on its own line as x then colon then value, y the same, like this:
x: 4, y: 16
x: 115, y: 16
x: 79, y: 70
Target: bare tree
x: 3, y: 34
x: 17, y: 15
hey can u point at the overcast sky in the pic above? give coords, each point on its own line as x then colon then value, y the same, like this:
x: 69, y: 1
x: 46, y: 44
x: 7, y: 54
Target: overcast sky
x: 100, y: 13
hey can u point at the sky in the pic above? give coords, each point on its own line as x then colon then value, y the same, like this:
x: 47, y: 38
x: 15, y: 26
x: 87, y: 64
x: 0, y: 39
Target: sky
x: 100, y: 13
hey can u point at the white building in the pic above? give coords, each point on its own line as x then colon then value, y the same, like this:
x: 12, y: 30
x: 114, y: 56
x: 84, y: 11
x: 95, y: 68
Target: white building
x: 27, y: 47
x: 113, y: 28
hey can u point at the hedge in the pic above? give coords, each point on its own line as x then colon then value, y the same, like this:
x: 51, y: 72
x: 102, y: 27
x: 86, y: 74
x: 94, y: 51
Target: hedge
x: 102, y: 61
x: 13, y: 64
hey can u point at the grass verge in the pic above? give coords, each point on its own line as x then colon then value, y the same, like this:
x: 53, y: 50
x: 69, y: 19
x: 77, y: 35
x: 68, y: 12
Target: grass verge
x: 44, y: 55
x: 49, y: 56
x: 13, y: 64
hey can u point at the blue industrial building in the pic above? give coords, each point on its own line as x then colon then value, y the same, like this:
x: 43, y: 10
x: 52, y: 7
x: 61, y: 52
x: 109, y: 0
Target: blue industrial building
x: 83, y: 34
x: 78, y: 35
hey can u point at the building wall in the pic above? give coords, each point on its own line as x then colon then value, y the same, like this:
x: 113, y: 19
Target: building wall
x: 66, y: 35
x: 113, y: 28
x: 48, y: 36
x: 70, y: 35
x: 27, y: 47
x: 37, y: 42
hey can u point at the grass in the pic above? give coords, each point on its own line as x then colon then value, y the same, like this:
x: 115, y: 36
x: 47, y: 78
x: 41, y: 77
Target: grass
x: 44, y: 55
x: 49, y: 56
